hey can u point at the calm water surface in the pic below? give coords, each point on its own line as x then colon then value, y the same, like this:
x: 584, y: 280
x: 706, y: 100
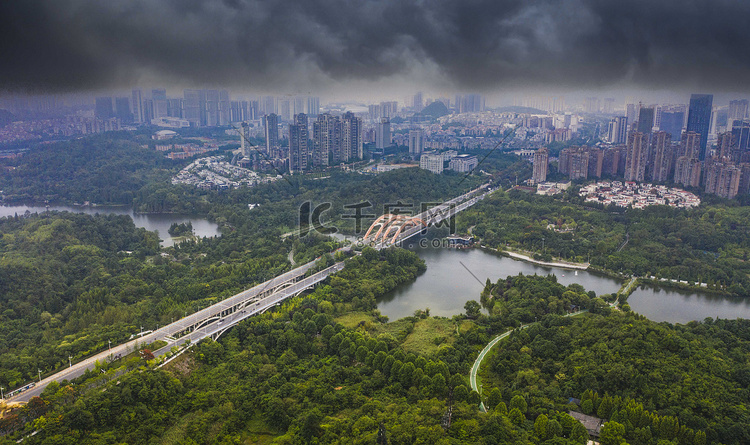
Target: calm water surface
x: 158, y: 222
x: 448, y: 284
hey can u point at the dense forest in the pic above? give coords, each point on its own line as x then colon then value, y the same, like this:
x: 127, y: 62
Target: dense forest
x: 299, y: 376
x: 708, y: 245
x: 70, y: 282
x: 100, y: 169
x: 696, y: 374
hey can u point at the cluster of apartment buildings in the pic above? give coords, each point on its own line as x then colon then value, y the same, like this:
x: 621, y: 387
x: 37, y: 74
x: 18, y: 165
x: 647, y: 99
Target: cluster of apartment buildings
x: 642, y: 152
x: 327, y: 140
x: 215, y: 173
x: 639, y: 196
x: 65, y: 126
x: 198, y: 108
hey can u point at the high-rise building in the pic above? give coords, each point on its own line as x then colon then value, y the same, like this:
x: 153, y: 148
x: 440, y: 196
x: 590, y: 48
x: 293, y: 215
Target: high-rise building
x: 612, y: 159
x: 579, y: 164
x: 253, y: 110
x: 617, y: 131
x: 591, y: 105
x: 416, y: 142
x: 327, y: 132
x: 645, y: 120
x: 211, y: 110
x: 672, y: 121
x: 238, y: 111
x: 137, y: 106
x: 469, y: 103
x: 148, y: 110
x: 122, y: 110
x: 738, y: 109
x: 224, y: 108
x: 245, y: 140
x: 383, y: 134
x: 574, y: 162
x: 541, y: 164
x: 193, y: 106
x: 174, y: 107
x: 723, y: 179
x: 725, y: 145
x: 741, y: 132
x: 351, y: 144
x: 690, y: 144
x: 596, y: 162
x: 661, y: 148
x: 609, y: 105
x: 699, y: 119
x: 418, y: 102
x: 388, y: 109
x: 271, y: 128
x: 630, y: 113
x: 313, y: 106
x: 687, y: 170
x: 268, y: 105
x: 298, y: 143
x: 159, y: 101
x: 636, y: 157
x: 104, y: 109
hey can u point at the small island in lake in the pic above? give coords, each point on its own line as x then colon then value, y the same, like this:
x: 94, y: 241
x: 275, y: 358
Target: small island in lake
x: 181, y: 229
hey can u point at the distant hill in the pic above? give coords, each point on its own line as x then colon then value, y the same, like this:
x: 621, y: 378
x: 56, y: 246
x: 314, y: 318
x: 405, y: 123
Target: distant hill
x: 516, y: 109
x: 435, y: 109
x: 6, y: 117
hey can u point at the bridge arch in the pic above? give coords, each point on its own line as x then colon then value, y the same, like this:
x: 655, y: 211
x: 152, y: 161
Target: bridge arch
x: 390, y: 226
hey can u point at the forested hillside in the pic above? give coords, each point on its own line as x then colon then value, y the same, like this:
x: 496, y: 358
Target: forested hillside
x: 299, y: 376
x: 710, y: 244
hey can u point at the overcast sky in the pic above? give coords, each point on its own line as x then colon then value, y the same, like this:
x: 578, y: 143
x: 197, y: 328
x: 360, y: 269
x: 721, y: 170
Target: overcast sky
x: 371, y: 49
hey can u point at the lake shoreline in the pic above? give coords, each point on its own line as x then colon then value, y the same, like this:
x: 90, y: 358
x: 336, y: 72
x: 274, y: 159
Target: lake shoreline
x: 522, y: 257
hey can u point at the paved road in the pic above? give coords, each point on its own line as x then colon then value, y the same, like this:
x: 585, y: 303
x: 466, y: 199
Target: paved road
x: 207, y: 322
x: 195, y: 336
x: 493, y: 342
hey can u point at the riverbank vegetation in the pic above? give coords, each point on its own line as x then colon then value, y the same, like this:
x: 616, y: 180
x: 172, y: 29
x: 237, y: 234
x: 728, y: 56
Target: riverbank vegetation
x: 298, y: 376
x: 710, y: 244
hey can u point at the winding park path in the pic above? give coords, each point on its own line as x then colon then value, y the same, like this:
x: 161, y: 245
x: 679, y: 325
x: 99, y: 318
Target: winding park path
x: 490, y: 345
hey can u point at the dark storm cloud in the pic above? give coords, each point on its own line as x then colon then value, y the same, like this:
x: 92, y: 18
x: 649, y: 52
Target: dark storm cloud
x: 64, y: 45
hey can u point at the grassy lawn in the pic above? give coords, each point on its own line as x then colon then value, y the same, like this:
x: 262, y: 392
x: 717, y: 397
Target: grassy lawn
x: 429, y: 335
x: 352, y: 319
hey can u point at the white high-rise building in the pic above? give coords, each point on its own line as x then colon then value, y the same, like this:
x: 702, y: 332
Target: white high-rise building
x: 416, y: 142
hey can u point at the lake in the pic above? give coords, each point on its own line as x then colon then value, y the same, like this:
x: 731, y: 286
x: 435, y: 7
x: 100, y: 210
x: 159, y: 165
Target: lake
x: 158, y: 222
x: 454, y: 277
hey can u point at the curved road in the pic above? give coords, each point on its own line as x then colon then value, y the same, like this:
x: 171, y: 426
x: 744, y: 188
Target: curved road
x: 493, y: 342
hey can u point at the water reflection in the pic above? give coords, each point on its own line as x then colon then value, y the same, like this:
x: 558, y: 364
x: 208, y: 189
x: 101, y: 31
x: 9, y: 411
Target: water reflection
x: 446, y: 286
x: 678, y: 306
x: 159, y: 222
